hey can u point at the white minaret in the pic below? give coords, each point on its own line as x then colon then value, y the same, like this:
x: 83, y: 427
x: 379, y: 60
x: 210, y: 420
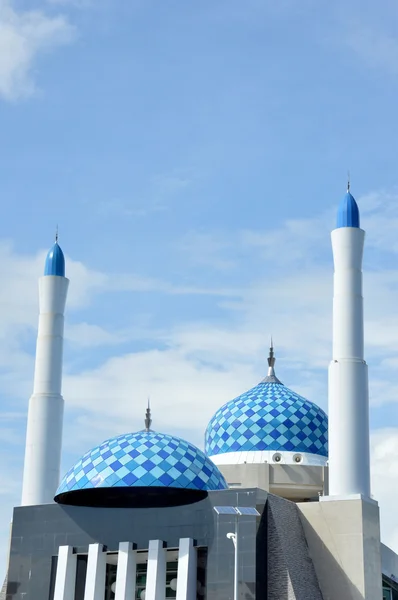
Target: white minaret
x: 349, y: 461
x: 46, y: 405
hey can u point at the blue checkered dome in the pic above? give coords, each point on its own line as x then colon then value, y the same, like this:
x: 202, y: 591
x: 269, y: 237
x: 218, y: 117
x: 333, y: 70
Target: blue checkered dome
x: 269, y: 417
x: 143, y: 459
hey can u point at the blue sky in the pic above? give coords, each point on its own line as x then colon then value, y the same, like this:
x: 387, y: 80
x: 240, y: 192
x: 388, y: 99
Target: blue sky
x: 193, y: 155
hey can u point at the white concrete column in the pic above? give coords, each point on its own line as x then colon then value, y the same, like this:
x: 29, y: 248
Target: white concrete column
x: 156, y: 572
x: 349, y: 456
x: 187, y: 570
x: 65, y: 580
x: 348, y: 326
x: 96, y: 572
x: 46, y: 405
x: 50, y: 336
x: 126, y: 572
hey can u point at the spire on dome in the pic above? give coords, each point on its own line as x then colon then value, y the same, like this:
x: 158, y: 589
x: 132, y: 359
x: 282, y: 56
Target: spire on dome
x: 271, y: 359
x: 271, y: 377
x: 148, y: 419
x: 55, y: 260
x: 348, y: 212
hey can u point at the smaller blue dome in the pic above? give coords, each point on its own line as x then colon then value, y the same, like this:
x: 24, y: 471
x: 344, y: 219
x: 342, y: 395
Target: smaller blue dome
x: 348, y: 213
x: 270, y: 416
x: 55, y: 261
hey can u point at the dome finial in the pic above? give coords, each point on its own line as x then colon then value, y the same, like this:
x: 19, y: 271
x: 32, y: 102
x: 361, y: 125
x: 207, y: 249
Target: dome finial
x: 348, y: 181
x: 56, y: 234
x: 148, y: 420
x: 271, y: 360
x: 271, y: 377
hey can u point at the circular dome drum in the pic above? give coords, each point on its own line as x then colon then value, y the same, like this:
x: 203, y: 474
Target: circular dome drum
x: 140, y: 469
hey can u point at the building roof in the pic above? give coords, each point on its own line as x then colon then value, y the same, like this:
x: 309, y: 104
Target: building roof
x: 143, y: 459
x: 269, y: 416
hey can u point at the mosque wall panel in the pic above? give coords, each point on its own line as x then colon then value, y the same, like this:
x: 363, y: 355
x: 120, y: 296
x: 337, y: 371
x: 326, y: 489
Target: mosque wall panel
x: 38, y: 531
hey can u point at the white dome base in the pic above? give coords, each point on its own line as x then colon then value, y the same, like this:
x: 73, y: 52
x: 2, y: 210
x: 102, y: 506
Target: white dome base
x: 269, y: 456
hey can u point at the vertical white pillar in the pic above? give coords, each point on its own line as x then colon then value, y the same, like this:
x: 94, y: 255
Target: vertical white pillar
x: 156, y: 572
x: 187, y: 570
x: 46, y: 405
x: 96, y: 573
x: 349, y: 462
x: 65, y: 580
x: 126, y: 572
x: 236, y: 559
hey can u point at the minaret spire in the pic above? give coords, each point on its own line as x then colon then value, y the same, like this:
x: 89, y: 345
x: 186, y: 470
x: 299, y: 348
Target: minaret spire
x: 271, y: 360
x: 56, y: 234
x: 348, y: 182
x: 148, y: 419
x: 271, y: 378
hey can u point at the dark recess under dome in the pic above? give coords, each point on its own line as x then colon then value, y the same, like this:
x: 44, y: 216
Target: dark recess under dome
x: 131, y: 497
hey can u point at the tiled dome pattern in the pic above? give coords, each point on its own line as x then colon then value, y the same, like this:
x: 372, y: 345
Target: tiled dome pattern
x: 268, y: 417
x: 145, y: 458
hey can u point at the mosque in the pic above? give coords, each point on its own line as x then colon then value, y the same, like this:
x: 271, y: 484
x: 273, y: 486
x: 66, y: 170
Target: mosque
x: 278, y: 506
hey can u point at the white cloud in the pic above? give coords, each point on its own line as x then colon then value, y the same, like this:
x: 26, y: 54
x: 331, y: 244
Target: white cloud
x: 207, y: 249
x: 24, y: 36
x: 376, y: 46
x: 368, y: 34
x: 72, y: 3
x: 298, y: 238
x: 185, y: 389
x: 87, y: 335
x: 158, y: 196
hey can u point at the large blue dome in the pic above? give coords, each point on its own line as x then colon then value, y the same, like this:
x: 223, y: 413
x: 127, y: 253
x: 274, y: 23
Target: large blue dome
x: 143, y: 459
x: 270, y: 416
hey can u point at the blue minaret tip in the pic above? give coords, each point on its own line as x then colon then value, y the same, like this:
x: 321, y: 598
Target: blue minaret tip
x: 55, y: 260
x: 348, y: 212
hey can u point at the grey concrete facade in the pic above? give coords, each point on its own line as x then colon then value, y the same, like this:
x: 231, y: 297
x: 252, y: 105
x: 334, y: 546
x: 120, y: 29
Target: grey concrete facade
x: 38, y: 532
x: 327, y: 550
x: 293, y: 482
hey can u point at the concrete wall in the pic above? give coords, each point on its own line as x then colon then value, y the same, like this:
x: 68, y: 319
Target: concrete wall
x: 343, y: 537
x: 39, y: 531
x: 389, y: 563
x: 244, y: 474
x: 295, y: 482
